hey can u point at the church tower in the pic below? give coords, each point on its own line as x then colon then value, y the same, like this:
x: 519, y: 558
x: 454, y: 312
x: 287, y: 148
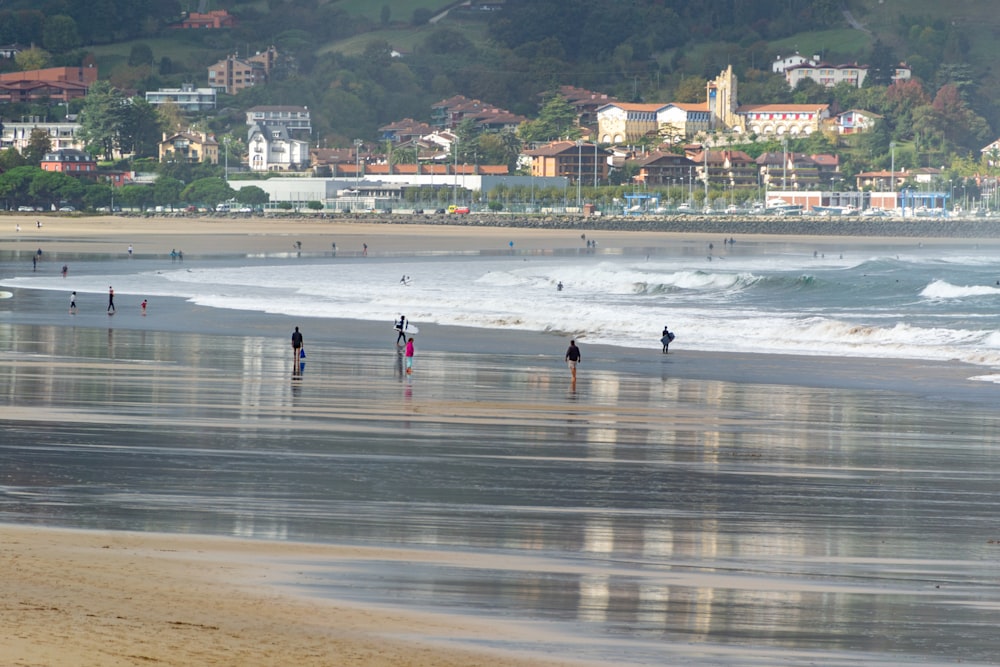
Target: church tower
x: 721, y: 96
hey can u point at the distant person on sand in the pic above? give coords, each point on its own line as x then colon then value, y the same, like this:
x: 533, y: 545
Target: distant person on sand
x: 409, y: 356
x: 129, y: 249
x: 111, y: 299
x: 143, y: 306
x: 72, y: 303
x: 65, y: 270
x: 364, y: 249
x: 573, y: 357
x: 296, y: 349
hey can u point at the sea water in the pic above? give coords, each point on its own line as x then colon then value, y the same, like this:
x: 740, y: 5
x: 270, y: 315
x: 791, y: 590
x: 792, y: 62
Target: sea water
x: 908, y: 300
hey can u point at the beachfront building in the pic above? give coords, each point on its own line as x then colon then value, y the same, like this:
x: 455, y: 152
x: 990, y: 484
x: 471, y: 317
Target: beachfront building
x: 798, y: 171
x: 187, y: 98
x: 577, y: 161
x: 189, y: 146
x: 728, y: 168
x: 70, y: 161
x: 659, y: 168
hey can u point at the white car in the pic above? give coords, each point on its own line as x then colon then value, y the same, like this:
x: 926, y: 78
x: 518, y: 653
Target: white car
x: 66, y: 209
x: 25, y: 209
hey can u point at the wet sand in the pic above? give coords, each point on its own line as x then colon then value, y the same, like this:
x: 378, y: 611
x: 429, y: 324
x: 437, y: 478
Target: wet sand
x: 700, y: 509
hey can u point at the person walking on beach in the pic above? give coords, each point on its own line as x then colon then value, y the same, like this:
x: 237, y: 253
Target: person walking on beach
x: 296, y: 349
x: 72, y: 303
x: 111, y: 299
x: 130, y: 250
x: 401, y: 328
x: 143, y: 306
x: 409, y: 356
x: 573, y: 357
x: 65, y: 270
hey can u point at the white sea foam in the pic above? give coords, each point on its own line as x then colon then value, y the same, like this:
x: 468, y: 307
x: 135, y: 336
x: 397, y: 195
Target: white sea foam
x: 939, y: 289
x: 789, y: 303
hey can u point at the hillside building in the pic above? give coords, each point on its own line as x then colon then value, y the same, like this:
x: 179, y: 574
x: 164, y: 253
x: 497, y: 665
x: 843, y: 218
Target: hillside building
x: 61, y: 135
x: 234, y: 74
x: 189, y: 146
x: 187, y: 98
x: 60, y: 84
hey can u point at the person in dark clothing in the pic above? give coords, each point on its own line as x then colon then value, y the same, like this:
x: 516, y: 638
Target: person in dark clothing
x: 573, y: 357
x: 401, y: 328
x: 296, y: 349
x: 667, y: 337
x: 111, y: 299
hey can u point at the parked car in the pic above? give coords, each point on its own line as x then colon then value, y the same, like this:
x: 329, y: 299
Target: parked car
x: 26, y: 209
x: 66, y: 209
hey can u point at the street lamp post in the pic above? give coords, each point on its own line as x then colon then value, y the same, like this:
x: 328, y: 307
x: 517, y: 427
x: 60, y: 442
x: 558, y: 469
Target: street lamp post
x: 357, y: 165
x: 892, y: 174
x: 579, y: 171
x: 595, y: 164
x: 454, y: 188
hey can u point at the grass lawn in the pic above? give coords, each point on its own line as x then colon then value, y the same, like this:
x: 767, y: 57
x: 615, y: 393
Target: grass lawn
x: 405, y: 38
x: 399, y: 10
x: 846, y: 41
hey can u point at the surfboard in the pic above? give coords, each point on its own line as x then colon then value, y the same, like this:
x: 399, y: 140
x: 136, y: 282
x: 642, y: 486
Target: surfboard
x: 6, y: 295
x: 410, y: 329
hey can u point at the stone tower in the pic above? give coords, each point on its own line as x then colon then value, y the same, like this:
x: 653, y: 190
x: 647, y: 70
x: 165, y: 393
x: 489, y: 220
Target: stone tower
x: 721, y: 96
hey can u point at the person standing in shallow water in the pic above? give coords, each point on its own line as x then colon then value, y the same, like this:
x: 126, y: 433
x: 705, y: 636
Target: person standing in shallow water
x: 111, y: 299
x: 573, y: 357
x: 296, y: 349
x: 409, y: 356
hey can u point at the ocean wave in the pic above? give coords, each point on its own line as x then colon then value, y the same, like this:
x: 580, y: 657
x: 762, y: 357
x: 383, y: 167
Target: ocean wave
x: 940, y: 289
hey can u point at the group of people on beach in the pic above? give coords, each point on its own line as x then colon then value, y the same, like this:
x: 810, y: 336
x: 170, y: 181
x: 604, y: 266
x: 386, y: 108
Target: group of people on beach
x: 111, y: 302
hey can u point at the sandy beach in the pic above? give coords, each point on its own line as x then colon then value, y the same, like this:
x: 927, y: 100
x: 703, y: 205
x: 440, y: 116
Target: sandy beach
x: 169, y: 497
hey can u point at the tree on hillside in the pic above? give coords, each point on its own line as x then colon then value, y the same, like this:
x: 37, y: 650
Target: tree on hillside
x: 33, y: 58
x: 39, y: 143
x: 139, y: 130
x: 140, y: 54
x: 556, y: 120
x: 60, y: 34
x: 101, y: 120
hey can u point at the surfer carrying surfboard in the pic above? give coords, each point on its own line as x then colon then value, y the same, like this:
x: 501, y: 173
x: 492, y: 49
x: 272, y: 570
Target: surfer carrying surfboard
x: 401, y: 329
x: 665, y: 340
